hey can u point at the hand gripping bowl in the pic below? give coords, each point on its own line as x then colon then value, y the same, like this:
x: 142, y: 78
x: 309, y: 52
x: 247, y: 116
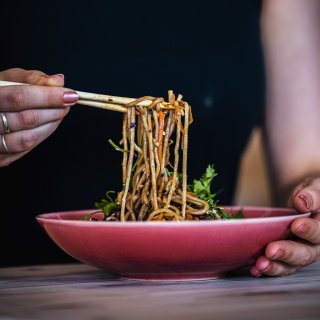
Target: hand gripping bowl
x: 190, y: 250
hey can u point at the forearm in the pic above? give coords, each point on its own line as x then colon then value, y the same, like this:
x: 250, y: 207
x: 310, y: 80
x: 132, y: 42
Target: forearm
x: 291, y: 42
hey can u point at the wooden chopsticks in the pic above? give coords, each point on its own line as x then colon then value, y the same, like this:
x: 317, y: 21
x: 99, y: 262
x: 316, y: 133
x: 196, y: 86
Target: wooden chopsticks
x: 107, y: 102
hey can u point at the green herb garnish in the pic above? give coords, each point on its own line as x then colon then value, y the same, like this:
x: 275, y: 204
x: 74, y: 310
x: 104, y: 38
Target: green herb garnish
x: 107, y: 205
x: 117, y: 147
x: 202, y: 188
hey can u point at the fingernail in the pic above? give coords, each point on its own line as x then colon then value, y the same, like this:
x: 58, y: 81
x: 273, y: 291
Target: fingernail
x: 278, y: 254
x: 302, y: 229
x: 70, y: 97
x: 264, y: 266
x: 58, y: 75
x: 306, y: 200
x: 255, y: 272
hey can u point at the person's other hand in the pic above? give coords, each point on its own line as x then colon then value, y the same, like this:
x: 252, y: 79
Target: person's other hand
x: 30, y: 114
x: 287, y: 256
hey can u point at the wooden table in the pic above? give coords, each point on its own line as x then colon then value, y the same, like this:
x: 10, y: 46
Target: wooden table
x: 78, y: 291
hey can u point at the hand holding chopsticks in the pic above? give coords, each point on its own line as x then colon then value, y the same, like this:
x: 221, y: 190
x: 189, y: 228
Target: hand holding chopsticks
x: 30, y: 114
x: 113, y: 103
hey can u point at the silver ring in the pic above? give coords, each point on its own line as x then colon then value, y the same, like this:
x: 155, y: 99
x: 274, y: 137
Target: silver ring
x: 4, y: 143
x: 5, y: 122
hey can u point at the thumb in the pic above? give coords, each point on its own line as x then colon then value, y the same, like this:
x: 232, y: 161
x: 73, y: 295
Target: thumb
x: 34, y: 77
x: 306, y: 197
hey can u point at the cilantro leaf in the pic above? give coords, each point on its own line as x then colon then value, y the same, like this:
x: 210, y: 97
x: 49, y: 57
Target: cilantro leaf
x: 202, y: 187
x: 107, y: 205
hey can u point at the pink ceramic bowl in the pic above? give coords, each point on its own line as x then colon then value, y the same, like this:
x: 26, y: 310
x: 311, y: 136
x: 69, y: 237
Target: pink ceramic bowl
x: 169, y: 250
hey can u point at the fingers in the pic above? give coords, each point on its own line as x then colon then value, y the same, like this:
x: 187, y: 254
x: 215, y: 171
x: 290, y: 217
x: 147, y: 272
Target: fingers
x: 264, y: 266
x: 9, y: 158
x: 294, y: 253
x: 34, y: 77
x: 25, y: 140
x: 306, y: 196
x: 28, y: 119
x: 18, y: 98
x: 30, y: 114
x: 285, y: 257
x: 307, y: 229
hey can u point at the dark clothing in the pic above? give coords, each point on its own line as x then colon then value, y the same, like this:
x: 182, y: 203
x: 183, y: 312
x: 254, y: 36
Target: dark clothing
x: 211, y: 54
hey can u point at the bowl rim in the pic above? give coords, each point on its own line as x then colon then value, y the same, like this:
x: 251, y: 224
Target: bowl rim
x: 48, y: 218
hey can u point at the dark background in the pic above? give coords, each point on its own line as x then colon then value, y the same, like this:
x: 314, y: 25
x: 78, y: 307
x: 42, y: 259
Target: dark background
x: 211, y: 54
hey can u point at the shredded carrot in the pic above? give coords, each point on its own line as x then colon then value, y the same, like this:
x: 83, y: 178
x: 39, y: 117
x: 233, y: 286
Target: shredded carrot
x: 159, y: 217
x: 189, y: 216
x: 191, y: 193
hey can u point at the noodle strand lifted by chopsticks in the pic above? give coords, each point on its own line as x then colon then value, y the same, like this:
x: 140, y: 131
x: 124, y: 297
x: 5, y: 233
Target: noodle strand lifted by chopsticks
x: 152, y: 189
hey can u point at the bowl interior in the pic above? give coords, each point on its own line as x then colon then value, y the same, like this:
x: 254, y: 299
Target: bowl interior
x: 248, y: 213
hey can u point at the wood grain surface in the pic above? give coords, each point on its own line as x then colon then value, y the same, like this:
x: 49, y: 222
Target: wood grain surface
x: 78, y: 291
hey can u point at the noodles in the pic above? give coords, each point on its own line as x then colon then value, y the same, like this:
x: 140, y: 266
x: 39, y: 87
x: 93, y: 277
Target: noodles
x: 152, y: 190
x: 155, y: 149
